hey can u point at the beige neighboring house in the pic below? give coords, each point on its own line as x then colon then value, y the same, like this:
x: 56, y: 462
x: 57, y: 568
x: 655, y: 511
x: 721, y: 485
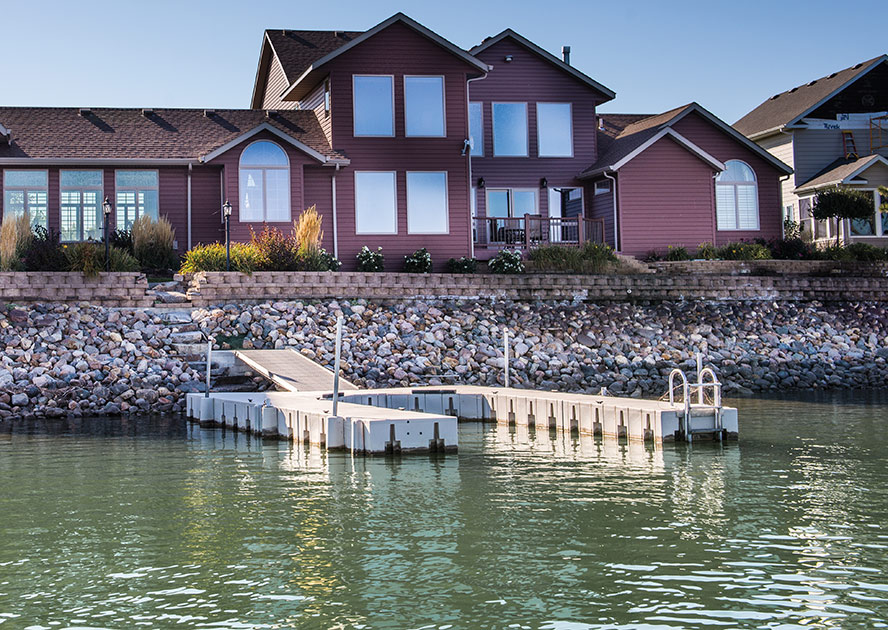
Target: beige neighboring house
x: 831, y: 131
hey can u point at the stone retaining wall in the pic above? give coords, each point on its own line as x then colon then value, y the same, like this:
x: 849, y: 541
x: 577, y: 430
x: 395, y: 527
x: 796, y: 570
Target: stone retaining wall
x: 106, y: 289
x: 222, y: 287
x: 772, y: 267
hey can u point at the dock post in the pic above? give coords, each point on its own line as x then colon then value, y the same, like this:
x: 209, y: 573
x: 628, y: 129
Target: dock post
x: 506, y: 354
x: 209, y: 366
x: 336, y: 365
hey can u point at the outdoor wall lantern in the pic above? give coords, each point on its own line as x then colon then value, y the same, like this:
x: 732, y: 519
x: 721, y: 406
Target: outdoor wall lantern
x: 544, y: 183
x: 226, y: 212
x: 480, y: 182
x: 106, y: 210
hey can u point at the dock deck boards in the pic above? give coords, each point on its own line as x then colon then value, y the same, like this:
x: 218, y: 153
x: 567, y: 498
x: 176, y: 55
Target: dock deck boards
x: 292, y: 371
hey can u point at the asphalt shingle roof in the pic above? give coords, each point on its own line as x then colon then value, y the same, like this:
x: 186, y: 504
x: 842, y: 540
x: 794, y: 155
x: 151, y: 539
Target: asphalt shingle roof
x: 837, y: 171
x: 297, y: 50
x: 781, y: 109
x: 114, y: 133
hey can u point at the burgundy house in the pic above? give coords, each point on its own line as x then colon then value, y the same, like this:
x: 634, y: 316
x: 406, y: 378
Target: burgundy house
x: 401, y: 140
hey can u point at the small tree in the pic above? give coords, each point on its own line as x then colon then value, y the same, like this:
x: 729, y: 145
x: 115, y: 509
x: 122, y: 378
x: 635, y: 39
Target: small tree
x: 842, y: 203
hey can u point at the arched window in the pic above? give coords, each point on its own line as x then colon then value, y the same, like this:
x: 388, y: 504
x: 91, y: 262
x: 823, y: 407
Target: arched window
x: 736, y: 197
x: 264, y: 183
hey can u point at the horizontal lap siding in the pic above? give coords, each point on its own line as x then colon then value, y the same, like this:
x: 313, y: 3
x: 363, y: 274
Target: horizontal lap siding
x: 173, y: 201
x: 398, y: 50
x: 666, y: 198
x: 315, y: 102
x: 723, y: 147
x: 230, y: 161
x: 319, y: 193
x: 275, y: 84
x: 602, y: 207
x: 206, y: 205
x: 529, y: 79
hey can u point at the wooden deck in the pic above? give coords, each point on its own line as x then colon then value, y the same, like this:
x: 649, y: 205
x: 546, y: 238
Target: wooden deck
x: 291, y: 371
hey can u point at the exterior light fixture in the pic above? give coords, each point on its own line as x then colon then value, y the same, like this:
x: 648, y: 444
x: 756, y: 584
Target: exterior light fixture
x: 106, y: 210
x: 480, y: 182
x: 226, y: 212
x: 544, y: 183
x: 508, y: 58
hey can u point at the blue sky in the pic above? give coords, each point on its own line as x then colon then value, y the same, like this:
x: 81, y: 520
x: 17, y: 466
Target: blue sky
x: 728, y: 56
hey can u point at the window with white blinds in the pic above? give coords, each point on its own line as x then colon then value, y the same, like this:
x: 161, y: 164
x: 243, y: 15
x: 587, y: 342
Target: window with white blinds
x: 736, y: 197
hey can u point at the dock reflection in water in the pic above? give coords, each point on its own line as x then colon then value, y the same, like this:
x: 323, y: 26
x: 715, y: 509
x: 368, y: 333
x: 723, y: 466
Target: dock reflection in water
x: 154, y: 523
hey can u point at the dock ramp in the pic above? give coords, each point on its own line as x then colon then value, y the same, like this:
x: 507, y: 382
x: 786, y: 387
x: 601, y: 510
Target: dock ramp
x: 291, y: 371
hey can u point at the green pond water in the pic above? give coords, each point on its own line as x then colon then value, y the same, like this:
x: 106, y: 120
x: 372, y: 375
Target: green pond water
x: 153, y: 523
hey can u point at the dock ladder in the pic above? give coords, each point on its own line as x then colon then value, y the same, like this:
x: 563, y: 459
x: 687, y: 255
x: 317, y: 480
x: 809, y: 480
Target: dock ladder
x: 701, y: 408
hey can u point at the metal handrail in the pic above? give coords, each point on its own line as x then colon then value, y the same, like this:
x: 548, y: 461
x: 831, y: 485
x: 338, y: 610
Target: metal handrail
x: 685, y: 391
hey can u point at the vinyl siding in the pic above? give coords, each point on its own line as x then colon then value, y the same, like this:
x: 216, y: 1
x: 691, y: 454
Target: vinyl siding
x: 319, y: 193
x: 666, y: 198
x: 275, y: 84
x: 781, y: 147
x: 206, y: 205
x: 723, y: 147
x: 602, y: 207
x: 315, y: 102
x: 399, y: 51
x: 529, y: 79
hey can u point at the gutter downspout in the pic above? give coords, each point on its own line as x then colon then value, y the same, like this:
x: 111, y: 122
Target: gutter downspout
x: 614, y: 194
x: 189, y: 205
x: 473, y: 196
x: 335, y: 228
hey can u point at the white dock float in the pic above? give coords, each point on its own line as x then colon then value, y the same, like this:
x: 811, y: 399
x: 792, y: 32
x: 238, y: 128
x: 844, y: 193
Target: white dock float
x: 425, y: 419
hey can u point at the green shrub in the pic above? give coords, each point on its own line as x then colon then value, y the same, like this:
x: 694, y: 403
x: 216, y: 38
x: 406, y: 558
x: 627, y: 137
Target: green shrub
x: 122, y: 239
x: 792, y: 249
x: 369, y: 260
x: 833, y: 252
x: 864, y: 252
x: 15, y: 238
x: 419, y: 261
x: 743, y: 251
x: 597, y: 254
x: 244, y: 258
x: 45, y: 252
x: 462, y: 265
x: 506, y: 261
x: 588, y: 258
x: 319, y: 260
x: 677, y: 254
x: 307, y: 232
x: 153, y: 244
x: 276, y: 251
x: 792, y: 230
x: 89, y: 258
x: 707, y: 251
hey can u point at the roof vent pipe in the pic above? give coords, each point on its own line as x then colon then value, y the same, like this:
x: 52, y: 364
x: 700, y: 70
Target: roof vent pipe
x: 85, y: 112
x: 565, y: 54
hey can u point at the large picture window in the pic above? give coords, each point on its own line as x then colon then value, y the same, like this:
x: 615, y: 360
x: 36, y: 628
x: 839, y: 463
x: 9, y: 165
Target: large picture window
x: 511, y: 202
x: 264, y: 178
x: 374, y: 105
x: 137, y: 196
x: 81, y: 195
x: 736, y: 197
x: 510, y: 129
x: 554, y: 130
x: 427, y: 207
x: 476, y: 128
x: 376, y: 208
x: 424, y: 106
x: 26, y: 191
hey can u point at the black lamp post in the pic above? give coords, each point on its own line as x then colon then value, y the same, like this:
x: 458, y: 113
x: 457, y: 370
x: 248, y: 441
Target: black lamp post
x: 106, y: 210
x: 226, y: 212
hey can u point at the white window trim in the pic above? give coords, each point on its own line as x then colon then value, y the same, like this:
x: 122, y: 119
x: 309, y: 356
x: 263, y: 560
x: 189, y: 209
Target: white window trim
x: 443, y: 103
x: 539, y: 130
x: 81, y: 190
x: 734, y: 185
x: 877, y: 216
x: 394, y: 175
x: 480, y: 105
x: 27, y: 189
x: 355, y: 134
x: 493, y: 128
x: 512, y: 191
x: 602, y: 188
x: 446, y: 202
x: 263, y: 168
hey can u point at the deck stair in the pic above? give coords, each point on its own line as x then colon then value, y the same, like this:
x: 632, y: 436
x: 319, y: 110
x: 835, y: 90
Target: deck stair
x: 702, y: 414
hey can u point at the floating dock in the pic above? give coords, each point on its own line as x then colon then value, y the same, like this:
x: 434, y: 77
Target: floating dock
x: 290, y: 371
x: 425, y: 419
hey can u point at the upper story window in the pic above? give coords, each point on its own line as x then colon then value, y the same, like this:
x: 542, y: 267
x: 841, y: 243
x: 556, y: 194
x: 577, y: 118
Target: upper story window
x: 424, y: 106
x: 736, y: 197
x: 137, y: 196
x: 81, y: 195
x: 476, y: 128
x: 554, y: 130
x: 510, y: 129
x: 264, y: 177
x: 26, y: 191
x: 374, y: 105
